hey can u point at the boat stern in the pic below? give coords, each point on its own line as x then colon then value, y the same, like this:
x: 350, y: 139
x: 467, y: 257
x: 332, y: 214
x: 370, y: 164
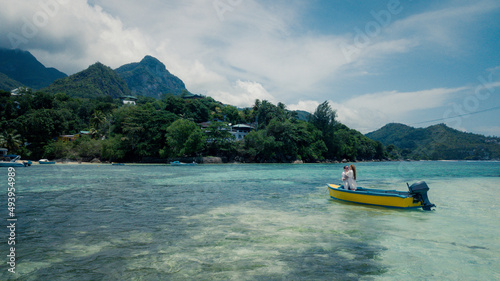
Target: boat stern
x: 418, y: 191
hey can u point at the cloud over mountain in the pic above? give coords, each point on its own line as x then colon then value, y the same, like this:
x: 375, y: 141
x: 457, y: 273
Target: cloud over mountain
x: 295, y: 52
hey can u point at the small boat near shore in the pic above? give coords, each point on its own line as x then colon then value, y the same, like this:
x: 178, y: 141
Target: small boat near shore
x: 12, y: 164
x: 10, y: 160
x: 177, y: 163
x: 45, y: 161
x: 415, y: 198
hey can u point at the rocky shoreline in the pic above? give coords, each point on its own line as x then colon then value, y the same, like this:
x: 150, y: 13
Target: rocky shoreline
x: 202, y: 160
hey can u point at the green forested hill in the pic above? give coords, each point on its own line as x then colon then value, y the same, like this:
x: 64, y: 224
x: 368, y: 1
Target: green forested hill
x: 159, y: 129
x: 96, y: 81
x: 22, y: 66
x: 436, y: 142
x: 8, y: 84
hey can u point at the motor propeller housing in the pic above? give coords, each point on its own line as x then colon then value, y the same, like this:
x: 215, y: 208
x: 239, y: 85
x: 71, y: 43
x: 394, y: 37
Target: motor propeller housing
x: 419, y: 192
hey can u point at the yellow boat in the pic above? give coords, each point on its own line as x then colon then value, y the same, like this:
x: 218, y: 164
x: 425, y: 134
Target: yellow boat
x: 416, y: 197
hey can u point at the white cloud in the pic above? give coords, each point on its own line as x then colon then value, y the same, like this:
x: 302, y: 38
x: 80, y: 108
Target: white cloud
x: 305, y: 105
x: 71, y: 35
x: 442, y: 30
x: 401, y: 102
x: 369, y: 112
x: 246, y: 94
x: 489, y: 130
x: 372, y: 111
x: 253, y: 50
x: 252, y: 43
x: 444, y: 27
x: 209, y: 48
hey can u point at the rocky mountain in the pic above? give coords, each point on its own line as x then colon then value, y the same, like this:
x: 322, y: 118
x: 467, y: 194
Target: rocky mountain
x: 302, y: 115
x: 150, y: 78
x: 436, y: 142
x: 97, y: 80
x: 23, y: 67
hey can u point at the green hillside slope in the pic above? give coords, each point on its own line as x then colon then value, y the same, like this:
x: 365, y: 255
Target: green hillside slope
x: 8, y: 84
x: 96, y: 81
x: 23, y: 67
x: 438, y: 142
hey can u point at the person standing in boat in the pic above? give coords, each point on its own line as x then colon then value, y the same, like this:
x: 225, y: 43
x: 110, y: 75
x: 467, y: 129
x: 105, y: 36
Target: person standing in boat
x: 351, y: 178
x: 345, y: 181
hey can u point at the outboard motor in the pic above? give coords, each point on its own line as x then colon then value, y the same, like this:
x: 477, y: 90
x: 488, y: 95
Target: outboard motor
x: 419, y: 192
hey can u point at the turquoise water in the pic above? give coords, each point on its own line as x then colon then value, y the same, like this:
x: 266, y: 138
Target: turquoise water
x: 250, y: 222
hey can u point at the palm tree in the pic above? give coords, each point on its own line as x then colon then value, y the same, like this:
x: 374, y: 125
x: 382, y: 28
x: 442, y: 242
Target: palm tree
x: 10, y: 139
x: 97, y: 120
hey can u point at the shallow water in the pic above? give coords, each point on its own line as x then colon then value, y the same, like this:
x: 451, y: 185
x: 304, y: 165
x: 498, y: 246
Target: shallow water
x: 251, y: 222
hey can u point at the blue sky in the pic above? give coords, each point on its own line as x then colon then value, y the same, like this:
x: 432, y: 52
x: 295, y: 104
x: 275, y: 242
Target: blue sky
x: 414, y: 62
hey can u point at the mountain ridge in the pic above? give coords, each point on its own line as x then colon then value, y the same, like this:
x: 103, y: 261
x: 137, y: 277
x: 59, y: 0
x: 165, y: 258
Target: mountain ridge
x: 149, y: 77
x: 8, y: 84
x: 98, y: 80
x: 436, y: 142
x: 25, y: 68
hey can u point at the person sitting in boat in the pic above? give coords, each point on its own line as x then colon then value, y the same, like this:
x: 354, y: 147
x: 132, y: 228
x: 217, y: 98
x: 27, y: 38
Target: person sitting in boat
x: 351, y: 178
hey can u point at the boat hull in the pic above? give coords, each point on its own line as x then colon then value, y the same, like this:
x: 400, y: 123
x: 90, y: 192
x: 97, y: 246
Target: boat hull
x: 177, y: 163
x: 374, y: 197
x: 11, y: 164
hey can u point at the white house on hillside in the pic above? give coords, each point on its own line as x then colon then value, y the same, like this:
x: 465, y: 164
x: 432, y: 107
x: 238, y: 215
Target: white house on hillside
x: 128, y: 100
x: 239, y: 131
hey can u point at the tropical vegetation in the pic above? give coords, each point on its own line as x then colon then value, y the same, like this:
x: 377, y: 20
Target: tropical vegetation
x: 33, y: 123
x: 82, y: 117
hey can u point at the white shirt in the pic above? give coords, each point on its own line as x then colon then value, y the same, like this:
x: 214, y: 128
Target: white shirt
x: 345, y: 180
x: 351, y: 181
